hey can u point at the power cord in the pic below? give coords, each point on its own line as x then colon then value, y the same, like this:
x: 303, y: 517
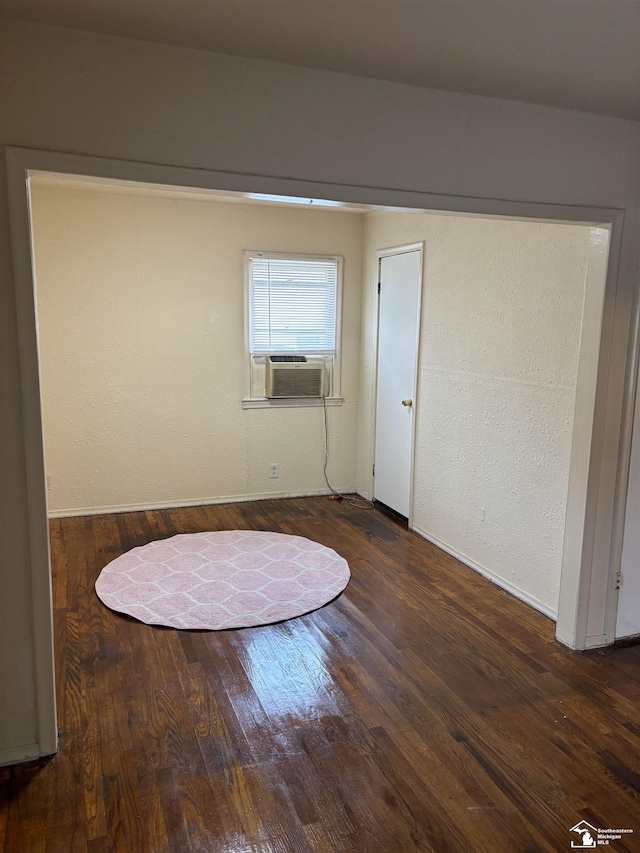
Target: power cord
x: 353, y: 500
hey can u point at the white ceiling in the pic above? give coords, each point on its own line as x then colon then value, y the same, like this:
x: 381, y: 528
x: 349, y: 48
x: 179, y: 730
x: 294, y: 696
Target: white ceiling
x: 579, y: 54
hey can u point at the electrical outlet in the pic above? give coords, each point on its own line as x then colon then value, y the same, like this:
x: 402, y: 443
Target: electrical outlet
x: 481, y: 513
x: 48, y: 482
x: 274, y: 470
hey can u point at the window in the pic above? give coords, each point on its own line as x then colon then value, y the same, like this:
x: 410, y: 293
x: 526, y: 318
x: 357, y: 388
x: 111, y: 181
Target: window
x: 292, y: 305
x: 292, y: 308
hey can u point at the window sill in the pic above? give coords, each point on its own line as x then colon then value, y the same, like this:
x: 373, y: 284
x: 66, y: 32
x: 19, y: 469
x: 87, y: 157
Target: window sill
x: 289, y: 402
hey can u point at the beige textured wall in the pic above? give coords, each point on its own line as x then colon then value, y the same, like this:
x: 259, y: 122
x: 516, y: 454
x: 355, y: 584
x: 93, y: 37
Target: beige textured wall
x: 141, y: 346
x: 500, y: 334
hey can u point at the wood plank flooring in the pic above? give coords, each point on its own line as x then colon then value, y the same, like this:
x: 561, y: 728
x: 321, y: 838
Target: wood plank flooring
x: 425, y: 709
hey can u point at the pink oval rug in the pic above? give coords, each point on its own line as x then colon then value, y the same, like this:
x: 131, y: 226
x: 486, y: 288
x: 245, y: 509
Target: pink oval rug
x: 226, y: 579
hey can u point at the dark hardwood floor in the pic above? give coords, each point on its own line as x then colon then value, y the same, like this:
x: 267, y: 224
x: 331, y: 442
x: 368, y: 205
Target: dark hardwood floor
x: 424, y: 709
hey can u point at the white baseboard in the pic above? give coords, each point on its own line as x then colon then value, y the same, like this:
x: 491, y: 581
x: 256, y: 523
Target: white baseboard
x: 20, y: 754
x: 498, y: 581
x: 627, y: 637
x: 103, y: 510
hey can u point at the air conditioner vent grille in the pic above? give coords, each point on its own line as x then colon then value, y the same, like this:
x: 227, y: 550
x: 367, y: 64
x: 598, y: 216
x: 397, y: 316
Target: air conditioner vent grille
x: 299, y: 379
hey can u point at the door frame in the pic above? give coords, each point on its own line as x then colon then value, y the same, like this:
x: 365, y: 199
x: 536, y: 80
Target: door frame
x: 379, y: 255
x: 604, y: 450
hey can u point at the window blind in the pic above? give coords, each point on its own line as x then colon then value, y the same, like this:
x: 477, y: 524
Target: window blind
x: 292, y: 305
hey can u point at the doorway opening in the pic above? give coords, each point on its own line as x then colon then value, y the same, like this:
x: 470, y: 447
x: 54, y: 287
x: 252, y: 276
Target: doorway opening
x: 29, y: 163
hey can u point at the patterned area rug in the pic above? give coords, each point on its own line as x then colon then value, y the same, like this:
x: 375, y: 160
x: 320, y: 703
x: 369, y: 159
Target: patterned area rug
x: 226, y: 579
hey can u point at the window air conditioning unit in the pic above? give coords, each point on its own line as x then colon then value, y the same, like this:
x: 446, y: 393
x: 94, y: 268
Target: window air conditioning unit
x: 293, y: 376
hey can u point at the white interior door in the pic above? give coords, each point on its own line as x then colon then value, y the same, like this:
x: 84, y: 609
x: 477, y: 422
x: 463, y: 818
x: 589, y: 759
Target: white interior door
x: 398, y: 321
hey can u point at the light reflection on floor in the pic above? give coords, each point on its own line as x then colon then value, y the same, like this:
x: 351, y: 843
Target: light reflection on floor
x: 289, y: 672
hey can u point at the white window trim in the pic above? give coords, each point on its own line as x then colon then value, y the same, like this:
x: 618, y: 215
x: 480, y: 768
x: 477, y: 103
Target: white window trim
x: 251, y: 402
x: 290, y: 403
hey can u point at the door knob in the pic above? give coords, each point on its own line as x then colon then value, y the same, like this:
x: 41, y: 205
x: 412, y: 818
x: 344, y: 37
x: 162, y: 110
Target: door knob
x: 407, y: 403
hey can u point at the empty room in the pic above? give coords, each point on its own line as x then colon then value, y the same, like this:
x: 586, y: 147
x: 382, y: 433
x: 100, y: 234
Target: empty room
x: 320, y: 487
